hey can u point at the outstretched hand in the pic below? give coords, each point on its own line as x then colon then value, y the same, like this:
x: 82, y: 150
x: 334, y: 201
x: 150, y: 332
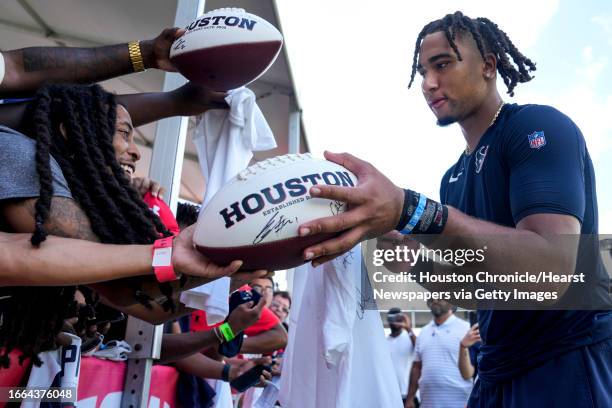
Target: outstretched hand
x: 375, y: 207
x: 245, y: 315
x: 156, y: 52
x: 188, y: 260
x: 145, y: 185
x: 193, y: 99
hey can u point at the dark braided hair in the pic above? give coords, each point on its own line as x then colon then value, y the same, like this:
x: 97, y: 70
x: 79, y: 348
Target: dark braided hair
x: 33, y: 316
x: 489, y: 38
x: 31, y: 319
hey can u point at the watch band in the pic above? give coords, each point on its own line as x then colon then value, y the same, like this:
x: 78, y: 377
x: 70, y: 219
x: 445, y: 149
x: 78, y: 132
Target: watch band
x: 225, y: 372
x: 136, y: 56
x: 162, y: 260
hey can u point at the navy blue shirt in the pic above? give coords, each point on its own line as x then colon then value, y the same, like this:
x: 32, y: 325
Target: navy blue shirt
x: 533, y: 160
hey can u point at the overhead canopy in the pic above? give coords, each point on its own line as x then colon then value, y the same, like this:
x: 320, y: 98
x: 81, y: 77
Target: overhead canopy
x: 28, y: 23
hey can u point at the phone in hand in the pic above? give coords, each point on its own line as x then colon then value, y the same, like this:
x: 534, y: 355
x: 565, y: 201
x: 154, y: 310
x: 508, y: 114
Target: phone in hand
x: 394, y: 318
x: 243, y: 296
x: 106, y: 314
x: 250, y: 378
x: 232, y: 348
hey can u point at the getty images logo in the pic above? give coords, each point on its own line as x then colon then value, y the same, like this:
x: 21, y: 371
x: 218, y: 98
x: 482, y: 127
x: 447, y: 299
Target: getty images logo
x: 230, y: 21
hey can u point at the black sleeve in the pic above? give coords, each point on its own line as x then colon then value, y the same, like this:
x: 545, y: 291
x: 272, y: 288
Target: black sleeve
x: 545, y: 152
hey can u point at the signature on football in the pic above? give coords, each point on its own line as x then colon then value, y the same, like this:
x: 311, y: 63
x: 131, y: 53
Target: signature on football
x: 180, y: 44
x: 274, y: 224
x: 336, y: 207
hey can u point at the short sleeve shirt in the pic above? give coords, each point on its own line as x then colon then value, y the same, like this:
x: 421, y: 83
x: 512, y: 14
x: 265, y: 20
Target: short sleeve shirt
x: 533, y: 160
x: 437, y: 348
x: 18, y: 174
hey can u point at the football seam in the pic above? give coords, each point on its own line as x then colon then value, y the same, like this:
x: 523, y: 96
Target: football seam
x: 275, y: 162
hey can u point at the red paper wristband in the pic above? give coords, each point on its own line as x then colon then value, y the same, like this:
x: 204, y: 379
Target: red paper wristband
x: 162, y: 260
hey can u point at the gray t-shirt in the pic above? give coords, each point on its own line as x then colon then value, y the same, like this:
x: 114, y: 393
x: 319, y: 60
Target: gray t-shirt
x: 18, y: 176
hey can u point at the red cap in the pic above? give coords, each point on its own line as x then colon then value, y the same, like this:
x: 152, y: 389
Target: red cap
x: 162, y: 210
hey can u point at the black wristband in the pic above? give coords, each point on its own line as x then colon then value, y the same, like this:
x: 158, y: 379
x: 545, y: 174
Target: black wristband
x: 421, y: 215
x: 411, y: 202
x: 433, y: 220
x: 404, y: 216
x: 225, y: 372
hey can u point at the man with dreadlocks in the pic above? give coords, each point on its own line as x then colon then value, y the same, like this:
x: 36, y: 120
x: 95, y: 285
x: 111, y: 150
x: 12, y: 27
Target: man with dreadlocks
x: 525, y: 175
x: 73, y: 180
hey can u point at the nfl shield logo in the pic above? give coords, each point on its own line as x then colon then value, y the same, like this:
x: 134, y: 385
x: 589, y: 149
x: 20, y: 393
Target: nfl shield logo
x: 536, y: 139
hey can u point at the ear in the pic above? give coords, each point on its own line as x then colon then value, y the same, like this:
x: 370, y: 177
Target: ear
x: 489, y: 66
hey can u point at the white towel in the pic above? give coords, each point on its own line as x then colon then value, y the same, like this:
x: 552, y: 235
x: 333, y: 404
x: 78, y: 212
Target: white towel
x: 60, y: 368
x: 114, y: 351
x: 250, y: 396
x: 223, y: 394
x: 337, y: 354
x: 225, y: 141
x: 269, y: 395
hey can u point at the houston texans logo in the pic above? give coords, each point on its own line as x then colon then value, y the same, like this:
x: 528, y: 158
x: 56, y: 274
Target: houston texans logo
x: 481, y: 154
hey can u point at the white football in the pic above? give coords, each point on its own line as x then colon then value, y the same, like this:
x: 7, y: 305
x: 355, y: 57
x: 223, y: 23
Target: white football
x: 226, y: 48
x: 255, y: 216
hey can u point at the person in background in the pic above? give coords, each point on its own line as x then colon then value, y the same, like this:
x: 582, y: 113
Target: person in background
x: 468, y: 349
x: 265, y: 287
x: 435, y: 370
x: 401, y: 342
x: 281, y: 304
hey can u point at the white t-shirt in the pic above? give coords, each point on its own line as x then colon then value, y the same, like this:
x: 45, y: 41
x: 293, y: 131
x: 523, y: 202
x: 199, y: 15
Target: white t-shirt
x: 337, y: 355
x: 1, y: 67
x: 60, y: 368
x: 402, y: 355
x: 437, y: 347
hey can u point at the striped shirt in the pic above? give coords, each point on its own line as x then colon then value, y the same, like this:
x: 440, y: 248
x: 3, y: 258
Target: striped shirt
x: 437, y: 347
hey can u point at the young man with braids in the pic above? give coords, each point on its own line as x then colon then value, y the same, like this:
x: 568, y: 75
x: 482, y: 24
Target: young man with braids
x: 81, y: 133
x: 22, y: 72
x: 525, y: 175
